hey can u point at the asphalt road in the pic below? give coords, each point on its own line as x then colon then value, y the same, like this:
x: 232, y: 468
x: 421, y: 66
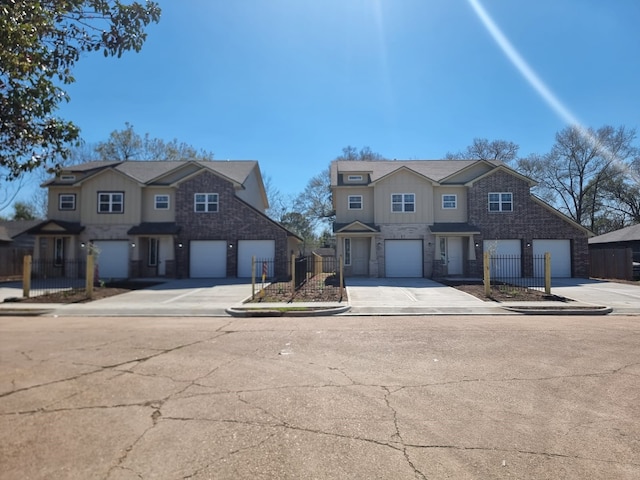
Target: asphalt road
x: 469, y: 397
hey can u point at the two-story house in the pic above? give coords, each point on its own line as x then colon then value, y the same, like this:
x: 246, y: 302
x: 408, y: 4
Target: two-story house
x: 435, y: 218
x: 162, y: 219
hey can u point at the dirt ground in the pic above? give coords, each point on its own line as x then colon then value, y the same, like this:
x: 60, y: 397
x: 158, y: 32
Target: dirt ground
x: 318, y: 289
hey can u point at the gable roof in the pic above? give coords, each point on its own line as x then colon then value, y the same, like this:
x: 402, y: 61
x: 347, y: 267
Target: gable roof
x: 437, y: 170
x: 145, y: 171
x: 627, y: 234
x: 13, y: 228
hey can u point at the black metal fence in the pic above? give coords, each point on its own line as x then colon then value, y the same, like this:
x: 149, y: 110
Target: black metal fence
x: 49, y: 276
x: 310, y: 278
x: 507, y: 272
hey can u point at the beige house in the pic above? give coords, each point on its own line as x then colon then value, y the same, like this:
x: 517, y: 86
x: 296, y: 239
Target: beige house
x: 161, y: 219
x: 435, y: 218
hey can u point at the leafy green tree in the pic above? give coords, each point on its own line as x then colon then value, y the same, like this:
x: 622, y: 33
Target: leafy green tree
x: 40, y: 42
x: 24, y: 211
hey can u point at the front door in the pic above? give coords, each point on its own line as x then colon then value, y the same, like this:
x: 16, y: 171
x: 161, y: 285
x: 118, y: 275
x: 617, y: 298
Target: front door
x: 360, y: 255
x: 454, y: 255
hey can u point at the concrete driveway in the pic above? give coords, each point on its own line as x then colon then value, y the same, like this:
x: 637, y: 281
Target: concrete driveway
x: 622, y: 297
x: 410, y: 296
x: 466, y: 397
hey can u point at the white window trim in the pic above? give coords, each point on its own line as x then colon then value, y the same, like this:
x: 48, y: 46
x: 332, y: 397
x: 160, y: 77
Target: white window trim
x: 354, y: 178
x: 72, y: 196
x: 500, y: 202
x: 155, y: 201
x: 404, y: 203
x: 347, y: 251
x: 207, y: 202
x: 455, y: 201
x: 349, y: 201
x: 111, y: 202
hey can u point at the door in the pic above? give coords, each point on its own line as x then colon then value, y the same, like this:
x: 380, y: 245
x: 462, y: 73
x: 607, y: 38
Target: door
x: 360, y: 256
x: 403, y: 258
x: 454, y: 255
x: 113, y: 258
x: 263, y: 250
x: 560, y: 251
x: 208, y: 258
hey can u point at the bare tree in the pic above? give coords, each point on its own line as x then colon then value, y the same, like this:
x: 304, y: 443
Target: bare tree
x: 483, y: 149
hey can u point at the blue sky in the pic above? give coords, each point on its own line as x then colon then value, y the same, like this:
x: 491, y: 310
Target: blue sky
x: 291, y: 82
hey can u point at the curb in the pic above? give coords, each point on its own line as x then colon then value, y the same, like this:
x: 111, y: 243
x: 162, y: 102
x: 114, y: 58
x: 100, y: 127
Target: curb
x: 587, y: 310
x: 285, y: 312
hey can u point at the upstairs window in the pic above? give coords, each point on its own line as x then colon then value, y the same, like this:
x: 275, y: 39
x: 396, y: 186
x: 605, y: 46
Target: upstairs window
x: 205, y: 202
x: 403, y: 202
x: 354, y: 178
x: 449, y: 201
x: 355, y: 202
x: 67, y: 201
x: 162, y: 202
x: 110, y: 202
x: 500, y: 202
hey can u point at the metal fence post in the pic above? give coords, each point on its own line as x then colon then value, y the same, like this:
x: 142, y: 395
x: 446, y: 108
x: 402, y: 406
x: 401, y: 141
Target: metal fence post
x: 487, y: 274
x: 341, y: 274
x: 547, y: 273
x: 293, y: 273
x: 26, y: 276
x: 253, y: 277
x: 89, y: 276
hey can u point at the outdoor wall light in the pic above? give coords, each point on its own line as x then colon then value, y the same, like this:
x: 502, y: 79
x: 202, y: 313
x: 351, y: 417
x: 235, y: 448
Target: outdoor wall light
x: 528, y: 244
x: 477, y: 244
x: 231, y: 245
x: 179, y: 245
x: 133, y: 245
x: 82, y: 245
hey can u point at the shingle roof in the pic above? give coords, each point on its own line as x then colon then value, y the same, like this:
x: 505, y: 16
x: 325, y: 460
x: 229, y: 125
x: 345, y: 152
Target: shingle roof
x: 628, y: 234
x: 13, y: 228
x: 145, y: 171
x: 433, y: 169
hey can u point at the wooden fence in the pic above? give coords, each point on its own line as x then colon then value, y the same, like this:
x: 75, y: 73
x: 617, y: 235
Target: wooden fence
x: 611, y: 263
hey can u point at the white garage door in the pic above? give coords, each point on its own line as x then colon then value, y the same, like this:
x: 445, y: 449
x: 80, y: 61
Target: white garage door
x: 113, y: 258
x: 403, y: 258
x: 208, y: 259
x: 262, y: 250
x: 506, y: 257
x: 560, y: 251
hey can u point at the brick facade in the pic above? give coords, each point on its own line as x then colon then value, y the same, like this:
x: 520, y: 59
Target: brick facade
x: 235, y: 220
x: 528, y: 221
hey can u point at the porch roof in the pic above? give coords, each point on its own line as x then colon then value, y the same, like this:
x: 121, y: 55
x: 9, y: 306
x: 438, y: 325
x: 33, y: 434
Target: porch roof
x: 59, y: 227
x: 155, y: 228
x: 355, y: 227
x: 457, y: 228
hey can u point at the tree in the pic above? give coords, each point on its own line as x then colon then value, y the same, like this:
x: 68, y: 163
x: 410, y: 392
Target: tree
x: 350, y: 153
x: 24, y: 211
x: 127, y: 144
x: 40, y: 43
x: 582, y: 162
x: 298, y: 224
x: 483, y: 149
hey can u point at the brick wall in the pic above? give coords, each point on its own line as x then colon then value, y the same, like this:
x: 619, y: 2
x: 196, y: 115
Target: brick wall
x: 234, y: 221
x: 528, y: 221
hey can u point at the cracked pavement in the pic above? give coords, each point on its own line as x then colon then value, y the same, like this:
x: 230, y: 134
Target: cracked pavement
x: 324, y: 397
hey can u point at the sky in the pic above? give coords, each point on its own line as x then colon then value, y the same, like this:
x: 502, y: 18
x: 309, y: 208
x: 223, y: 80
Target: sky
x: 291, y: 82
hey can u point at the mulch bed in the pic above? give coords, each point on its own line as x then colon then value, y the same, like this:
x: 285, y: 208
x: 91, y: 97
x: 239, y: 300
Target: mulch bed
x: 79, y: 296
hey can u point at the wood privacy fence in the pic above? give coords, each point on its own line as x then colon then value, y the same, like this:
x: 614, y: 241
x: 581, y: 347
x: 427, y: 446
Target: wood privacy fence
x: 611, y: 263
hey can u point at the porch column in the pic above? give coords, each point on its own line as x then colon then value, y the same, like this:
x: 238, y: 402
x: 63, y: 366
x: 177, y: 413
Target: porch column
x: 471, y: 248
x: 373, y: 257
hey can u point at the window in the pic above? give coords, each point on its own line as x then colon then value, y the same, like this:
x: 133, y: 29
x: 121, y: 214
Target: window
x: 355, y: 202
x: 403, y: 202
x: 449, y: 201
x: 500, y: 202
x: 67, y: 178
x: 162, y: 202
x: 206, y: 202
x: 347, y: 251
x: 110, y: 202
x: 354, y: 178
x: 58, y: 253
x: 67, y: 201
x: 153, y: 252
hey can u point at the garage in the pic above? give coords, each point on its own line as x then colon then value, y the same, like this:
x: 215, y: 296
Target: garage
x: 113, y: 258
x: 506, y: 257
x: 560, y: 251
x: 208, y: 259
x: 263, y: 250
x: 403, y: 258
